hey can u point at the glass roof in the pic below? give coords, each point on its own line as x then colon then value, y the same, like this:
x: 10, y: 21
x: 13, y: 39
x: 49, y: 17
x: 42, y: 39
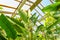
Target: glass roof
x: 40, y: 6
x: 11, y: 5
x: 38, y: 10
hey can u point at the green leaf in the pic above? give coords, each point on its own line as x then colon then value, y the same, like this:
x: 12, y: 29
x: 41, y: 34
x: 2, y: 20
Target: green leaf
x: 49, y: 32
x: 40, y: 28
x: 1, y: 8
x: 23, y: 16
x: 6, y: 25
x: 55, y: 23
x: 57, y: 14
x: 52, y: 7
x: 57, y: 0
x: 2, y: 37
x: 49, y: 21
x: 16, y: 21
x: 34, y: 18
x: 21, y: 30
x: 19, y: 27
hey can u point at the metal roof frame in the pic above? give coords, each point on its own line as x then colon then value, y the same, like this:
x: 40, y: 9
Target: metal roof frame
x: 22, y: 4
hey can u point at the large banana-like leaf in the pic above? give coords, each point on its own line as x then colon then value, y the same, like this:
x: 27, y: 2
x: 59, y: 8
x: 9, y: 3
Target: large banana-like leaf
x: 1, y: 37
x: 52, y: 7
x: 23, y: 16
x: 57, y: 0
x: 19, y: 27
x: 16, y: 21
x: 6, y: 25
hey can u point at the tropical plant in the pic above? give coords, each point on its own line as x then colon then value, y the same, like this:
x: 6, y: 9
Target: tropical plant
x: 52, y: 21
x: 23, y: 28
x: 13, y: 28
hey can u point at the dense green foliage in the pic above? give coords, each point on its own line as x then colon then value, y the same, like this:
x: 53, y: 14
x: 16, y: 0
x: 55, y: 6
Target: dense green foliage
x: 23, y: 28
x: 52, y: 21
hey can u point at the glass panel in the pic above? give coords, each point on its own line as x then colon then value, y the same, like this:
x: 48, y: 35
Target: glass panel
x: 25, y: 7
x: 39, y: 10
x: 45, y: 2
x: 9, y: 3
x: 8, y: 9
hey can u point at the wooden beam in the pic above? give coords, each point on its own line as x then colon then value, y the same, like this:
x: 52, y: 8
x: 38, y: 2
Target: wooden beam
x: 21, y: 2
x: 21, y: 5
x: 27, y: 0
x: 13, y: 15
x: 35, y: 4
x: 7, y: 6
x: 6, y: 12
x: 18, y: 1
x: 51, y: 1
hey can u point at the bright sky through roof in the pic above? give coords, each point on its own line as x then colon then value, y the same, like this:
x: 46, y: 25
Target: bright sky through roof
x: 44, y: 3
x: 15, y: 4
x: 9, y: 3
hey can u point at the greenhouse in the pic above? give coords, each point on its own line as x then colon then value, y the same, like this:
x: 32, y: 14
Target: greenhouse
x: 29, y: 20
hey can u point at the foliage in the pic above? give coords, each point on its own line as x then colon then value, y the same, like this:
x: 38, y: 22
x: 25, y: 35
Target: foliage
x: 57, y: 0
x: 52, y: 8
x: 52, y: 21
x: 14, y: 28
x: 8, y: 28
x: 23, y: 29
